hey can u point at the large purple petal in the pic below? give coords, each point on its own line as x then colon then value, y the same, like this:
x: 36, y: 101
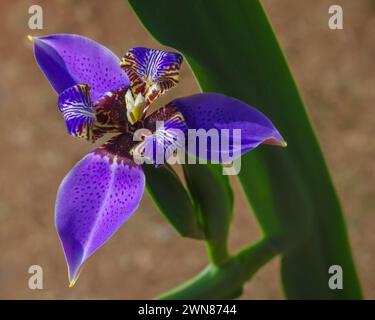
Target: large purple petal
x: 69, y: 59
x: 95, y: 198
x: 209, y: 111
x: 151, y: 72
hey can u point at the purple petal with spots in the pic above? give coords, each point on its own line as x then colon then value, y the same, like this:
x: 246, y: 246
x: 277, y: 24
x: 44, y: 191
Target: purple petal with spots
x: 69, y: 59
x: 95, y: 198
x: 217, y: 111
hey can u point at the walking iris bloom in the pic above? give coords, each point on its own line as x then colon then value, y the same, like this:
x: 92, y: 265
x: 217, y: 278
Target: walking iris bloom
x: 97, y: 94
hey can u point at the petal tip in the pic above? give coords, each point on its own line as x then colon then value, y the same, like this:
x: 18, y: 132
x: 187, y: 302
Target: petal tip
x: 281, y: 142
x: 73, y: 279
x: 276, y: 141
x: 72, y: 283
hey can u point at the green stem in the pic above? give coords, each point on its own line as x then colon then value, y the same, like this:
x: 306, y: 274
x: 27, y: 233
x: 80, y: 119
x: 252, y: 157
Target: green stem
x: 226, y: 281
x: 217, y: 251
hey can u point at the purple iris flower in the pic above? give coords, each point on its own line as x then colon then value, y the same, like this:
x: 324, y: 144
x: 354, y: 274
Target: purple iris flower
x: 97, y: 94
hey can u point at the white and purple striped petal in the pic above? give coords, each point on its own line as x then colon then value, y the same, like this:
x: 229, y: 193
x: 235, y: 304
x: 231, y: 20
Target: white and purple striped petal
x: 76, y: 106
x: 69, y: 59
x: 226, y: 115
x: 95, y: 198
x: 167, y: 138
x: 151, y: 72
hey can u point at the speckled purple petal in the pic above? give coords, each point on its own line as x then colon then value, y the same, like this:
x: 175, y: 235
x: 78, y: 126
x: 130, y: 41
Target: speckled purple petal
x: 95, y: 198
x: 69, y: 59
x: 217, y: 111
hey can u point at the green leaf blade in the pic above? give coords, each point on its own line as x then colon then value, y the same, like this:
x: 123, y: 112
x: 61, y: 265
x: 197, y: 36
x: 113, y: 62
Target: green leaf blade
x: 213, y: 198
x: 173, y: 201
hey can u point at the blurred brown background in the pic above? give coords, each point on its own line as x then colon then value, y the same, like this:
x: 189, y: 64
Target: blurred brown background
x: 335, y: 72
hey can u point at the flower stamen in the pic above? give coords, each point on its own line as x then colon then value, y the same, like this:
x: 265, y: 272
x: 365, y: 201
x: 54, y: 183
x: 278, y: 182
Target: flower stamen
x: 134, y: 107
